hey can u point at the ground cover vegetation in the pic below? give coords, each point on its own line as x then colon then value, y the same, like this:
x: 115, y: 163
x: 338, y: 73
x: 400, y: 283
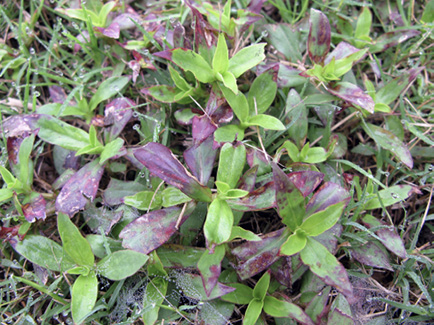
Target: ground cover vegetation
x: 183, y: 162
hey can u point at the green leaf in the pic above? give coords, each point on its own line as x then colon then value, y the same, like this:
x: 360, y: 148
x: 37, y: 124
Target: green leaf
x: 253, y: 311
x: 57, y: 132
x: 90, y: 150
x: 209, y: 267
x: 172, y: 196
x: 105, y: 10
x: 238, y: 103
x: 246, y: 59
x: 93, y: 138
x: 342, y: 66
x: 325, y: 265
x: 79, y: 270
x: 229, y: 133
x: 315, y: 155
x: 107, y: 89
x: 364, y: 23
x: 262, y: 93
x: 280, y: 308
x: 238, y: 232
x: 193, y: 62
x: 294, y: 244
x: 267, y: 122
x: 323, y: 220
x: 220, y: 62
x: 24, y: 163
x: 231, y: 163
x: 144, y: 200
x: 84, y: 294
x: 219, y: 221
x: 111, y: 149
x: 121, y: 264
x: 7, y: 176
x: 388, y: 196
x: 178, y: 80
x: 389, y: 141
x: 241, y: 296
x: 230, y: 82
x: 44, y: 252
x: 292, y: 151
x: 233, y: 194
x: 222, y: 187
x: 261, y: 287
x: 6, y: 194
x: 74, y: 244
x: 428, y: 13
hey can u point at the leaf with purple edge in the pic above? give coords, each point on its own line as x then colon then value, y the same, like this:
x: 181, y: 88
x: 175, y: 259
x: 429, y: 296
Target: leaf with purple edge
x: 289, y: 200
x: 392, y: 38
x: 281, y: 308
x: 35, y: 209
x: 209, y: 267
x: 262, y: 198
x: 162, y: 163
x: 83, y: 185
x: 117, y: 114
x: 117, y: 190
x: 373, y: 255
x: 318, y: 43
x: 387, y: 140
x: 328, y: 194
x: 153, y: 229
x: 323, y: 220
x: 353, y: 95
x: 325, y: 265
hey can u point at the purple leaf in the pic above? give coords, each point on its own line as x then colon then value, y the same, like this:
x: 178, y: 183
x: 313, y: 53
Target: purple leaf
x: 389, y: 237
x: 306, y: 181
x: 117, y: 114
x: 341, y: 51
x: 162, y: 163
x: 124, y: 20
x: 35, y: 210
x: 371, y: 254
x: 203, y: 31
x: 117, y: 190
x: 256, y: 6
x: 353, y: 95
x: 209, y: 267
x: 192, y: 287
x: 391, y: 39
x: 329, y: 238
x: 318, y: 42
x: 57, y: 94
x: 112, y: 31
x: 65, y: 159
x: 102, y: 218
x: 248, y: 180
x: 84, y: 38
x: 153, y: 229
x: 256, y: 256
x: 282, y: 271
x: 202, y: 128
x: 262, y: 198
x: 16, y: 125
x: 13, y: 145
x: 79, y: 188
x: 200, y: 159
x: 256, y: 157
x: 328, y: 194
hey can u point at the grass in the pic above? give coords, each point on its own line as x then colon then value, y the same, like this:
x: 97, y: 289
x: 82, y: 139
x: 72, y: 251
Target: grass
x: 366, y: 129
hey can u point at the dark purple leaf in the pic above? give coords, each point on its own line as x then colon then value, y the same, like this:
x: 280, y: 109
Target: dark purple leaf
x: 162, y: 163
x: 248, y: 180
x: 203, y: 31
x: 214, y: 104
x: 79, y: 188
x: 262, y: 198
x: 179, y: 35
x: 353, y: 95
x: 135, y: 66
x: 9, y: 232
x: 256, y: 256
x: 328, y: 194
x: 256, y: 6
x: 282, y: 271
x: 318, y: 42
x: 202, y: 128
x: 117, y: 114
x: 117, y: 190
x: 112, y: 31
x: 153, y: 229
x: 130, y: 156
x: 57, y: 94
x: 389, y: 237
x: 289, y: 200
x: 35, y: 210
x: 391, y: 39
x: 306, y: 181
x: 164, y: 54
x: 17, y: 125
x: 341, y: 51
x: 209, y: 267
x: 13, y: 145
x: 371, y: 254
x: 192, y: 287
x: 200, y: 159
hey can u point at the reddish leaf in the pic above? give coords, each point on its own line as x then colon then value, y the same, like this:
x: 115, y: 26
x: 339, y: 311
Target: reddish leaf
x: 9, y: 232
x: 162, y: 163
x: 318, y: 42
x: 13, y: 147
x: 35, y: 210
x: 353, y: 95
x: 112, y: 31
x: 328, y: 194
x: 79, y: 188
x: 262, y: 198
x: 306, y: 181
x: 200, y: 159
x: 371, y: 254
x: 209, y: 267
x: 256, y: 6
x: 153, y: 229
x: 256, y: 256
x: 204, y: 33
x: 57, y: 94
x: 389, y: 237
x: 341, y: 51
x: 117, y: 114
x: 393, y: 38
x: 202, y: 128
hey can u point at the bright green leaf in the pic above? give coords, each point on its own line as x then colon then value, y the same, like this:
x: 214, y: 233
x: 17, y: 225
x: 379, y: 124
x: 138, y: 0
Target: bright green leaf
x: 220, y: 61
x: 238, y: 232
x: 219, y: 221
x: 323, y: 220
x: 363, y: 23
x: 294, y: 244
x: 253, y: 311
x: 193, y: 62
x: 121, y: 264
x: 229, y: 133
x: 230, y: 82
x: 261, y: 287
x: 172, y: 196
x: 231, y: 164
x: 237, y: 102
x: 241, y: 296
x: 84, y: 294
x: 267, y: 122
x: 108, y: 89
x: 388, y: 196
x: 144, y: 200
x: 261, y: 94
x: 111, y: 149
x: 246, y: 59
x: 178, y: 80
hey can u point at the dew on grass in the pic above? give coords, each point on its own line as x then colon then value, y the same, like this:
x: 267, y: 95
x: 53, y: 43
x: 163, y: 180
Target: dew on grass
x: 32, y: 51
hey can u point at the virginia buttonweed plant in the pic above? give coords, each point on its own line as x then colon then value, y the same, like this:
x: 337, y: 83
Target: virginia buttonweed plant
x: 204, y: 162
